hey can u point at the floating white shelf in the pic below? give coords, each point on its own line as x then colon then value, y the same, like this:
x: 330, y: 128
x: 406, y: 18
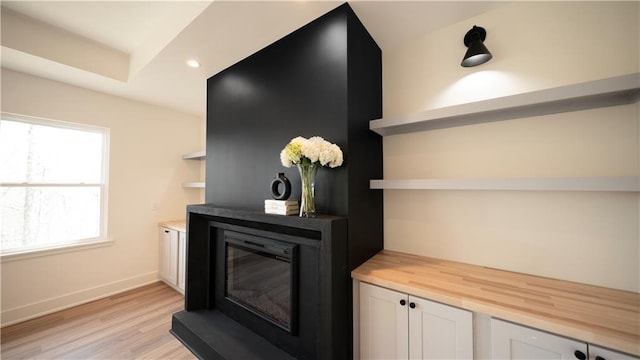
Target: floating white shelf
x: 605, y: 183
x: 200, y: 155
x: 612, y: 91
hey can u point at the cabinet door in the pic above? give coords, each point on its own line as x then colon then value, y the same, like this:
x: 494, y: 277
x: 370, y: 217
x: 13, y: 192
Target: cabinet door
x: 169, y: 255
x: 383, y: 323
x: 182, y: 256
x: 511, y: 341
x: 438, y: 331
x: 598, y: 353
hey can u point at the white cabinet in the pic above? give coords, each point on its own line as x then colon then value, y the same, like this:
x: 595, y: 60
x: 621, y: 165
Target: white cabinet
x: 438, y: 331
x: 384, y: 323
x: 394, y: 325
x: 512, y: 341
x: 182, y: 257
x: 598, y: 353
x: 169, y: 255
x: 172, y: 257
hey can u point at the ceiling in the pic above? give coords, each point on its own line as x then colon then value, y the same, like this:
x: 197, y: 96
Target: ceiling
x: 139, y: 49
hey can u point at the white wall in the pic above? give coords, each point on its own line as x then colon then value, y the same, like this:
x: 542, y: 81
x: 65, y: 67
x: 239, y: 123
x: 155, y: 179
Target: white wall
x: 146, y: 167
x: 585, y: 237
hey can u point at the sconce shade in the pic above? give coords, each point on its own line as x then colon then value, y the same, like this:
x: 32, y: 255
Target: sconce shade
x: 477, y: 53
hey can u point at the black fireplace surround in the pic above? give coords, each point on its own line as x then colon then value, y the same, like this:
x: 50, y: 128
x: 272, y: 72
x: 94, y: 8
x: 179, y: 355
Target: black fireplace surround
x: 216, y: 325
x: 324, y: 79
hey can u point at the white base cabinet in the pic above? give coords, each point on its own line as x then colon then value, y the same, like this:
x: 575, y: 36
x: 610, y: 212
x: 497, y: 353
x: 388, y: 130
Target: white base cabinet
x: 512, y: 341
x: 182, y: 257
x: 172, y: 258
x: 598, y: 353
x: 384, y: 323
x: 395, y: 325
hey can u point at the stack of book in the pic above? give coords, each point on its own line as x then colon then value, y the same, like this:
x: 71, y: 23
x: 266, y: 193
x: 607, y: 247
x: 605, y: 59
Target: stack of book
x: 281, y: 207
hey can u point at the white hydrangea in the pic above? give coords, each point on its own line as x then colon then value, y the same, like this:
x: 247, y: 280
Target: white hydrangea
x: 312, y: 148
x: 285, y: 159
x: 292, y: 153
x: 316, y: 149
x: 336, y: 156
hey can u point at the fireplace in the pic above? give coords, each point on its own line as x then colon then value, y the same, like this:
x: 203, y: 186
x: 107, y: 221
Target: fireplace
x: 261, y: 277
x: 264, y: 279
x: 263, y: 286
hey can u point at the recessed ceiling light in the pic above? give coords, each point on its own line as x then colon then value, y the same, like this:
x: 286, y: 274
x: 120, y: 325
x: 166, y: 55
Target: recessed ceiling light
x: 193, y: 63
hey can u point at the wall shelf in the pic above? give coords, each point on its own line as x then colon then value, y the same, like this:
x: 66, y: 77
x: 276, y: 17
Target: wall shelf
x: 200, y: 155
x: 604, y: 183
x: 612, y: 91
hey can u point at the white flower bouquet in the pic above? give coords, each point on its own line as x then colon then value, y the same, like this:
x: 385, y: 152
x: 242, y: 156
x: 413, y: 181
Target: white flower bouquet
x: 312, y: 150
x: 308, y: 155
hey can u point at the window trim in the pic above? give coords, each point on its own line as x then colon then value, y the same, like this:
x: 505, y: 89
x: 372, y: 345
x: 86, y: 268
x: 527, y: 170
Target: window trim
x: 102, y: 239
x: 55, y: 249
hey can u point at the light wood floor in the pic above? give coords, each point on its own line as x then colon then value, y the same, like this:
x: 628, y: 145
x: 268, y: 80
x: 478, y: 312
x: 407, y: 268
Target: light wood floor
x: 131, y: 325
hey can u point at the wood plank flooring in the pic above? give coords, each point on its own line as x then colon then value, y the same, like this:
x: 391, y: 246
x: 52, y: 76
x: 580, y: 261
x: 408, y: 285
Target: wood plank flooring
x: 131, y: 325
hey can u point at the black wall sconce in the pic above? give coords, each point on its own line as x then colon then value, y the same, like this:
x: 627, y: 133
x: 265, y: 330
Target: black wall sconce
x: 477, y: 53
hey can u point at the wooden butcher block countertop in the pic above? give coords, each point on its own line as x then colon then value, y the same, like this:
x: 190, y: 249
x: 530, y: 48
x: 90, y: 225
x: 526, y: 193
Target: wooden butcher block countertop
x: 597, y: 315
x: 180, y: 225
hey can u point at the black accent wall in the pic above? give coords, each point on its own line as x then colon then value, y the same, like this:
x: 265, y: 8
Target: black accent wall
x: 324, y: 79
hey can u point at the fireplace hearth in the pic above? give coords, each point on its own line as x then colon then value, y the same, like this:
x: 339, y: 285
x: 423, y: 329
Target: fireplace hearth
x: 265, y: 286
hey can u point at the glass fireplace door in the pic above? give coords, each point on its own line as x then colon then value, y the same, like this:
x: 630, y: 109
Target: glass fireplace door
x: 260, y: 277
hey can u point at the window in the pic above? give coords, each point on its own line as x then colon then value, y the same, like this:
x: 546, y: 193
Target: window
x: 53, y: 184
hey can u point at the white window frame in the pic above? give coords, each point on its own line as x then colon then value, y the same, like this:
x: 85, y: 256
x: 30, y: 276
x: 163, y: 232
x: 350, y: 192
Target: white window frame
x: 102, y: 239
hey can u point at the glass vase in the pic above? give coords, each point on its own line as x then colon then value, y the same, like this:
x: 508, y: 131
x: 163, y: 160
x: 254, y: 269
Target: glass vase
x: 308, y: 172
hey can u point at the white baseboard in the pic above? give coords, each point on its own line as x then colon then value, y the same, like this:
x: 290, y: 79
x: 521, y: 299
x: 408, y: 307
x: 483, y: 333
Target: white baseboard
x: 48, y: 306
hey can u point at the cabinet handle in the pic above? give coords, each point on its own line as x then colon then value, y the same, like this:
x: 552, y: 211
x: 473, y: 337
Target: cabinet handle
x: 600, y: 358
x: 402, y: 302
x: 412, y: 305
x: 579, y: 355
